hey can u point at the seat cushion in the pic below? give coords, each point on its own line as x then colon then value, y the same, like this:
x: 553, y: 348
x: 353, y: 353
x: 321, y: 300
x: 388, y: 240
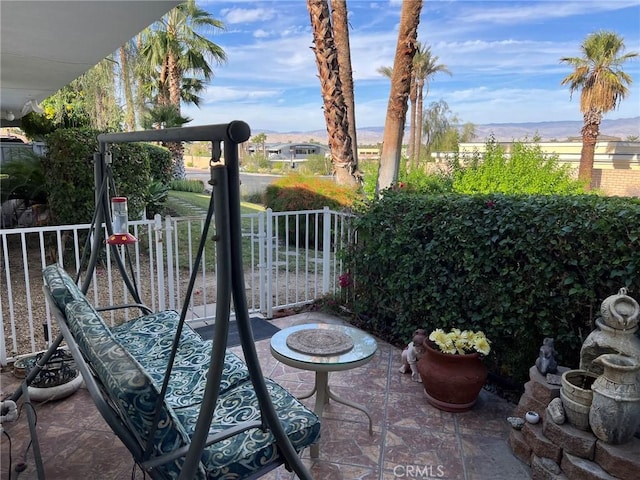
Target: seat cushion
x: 248, y: 451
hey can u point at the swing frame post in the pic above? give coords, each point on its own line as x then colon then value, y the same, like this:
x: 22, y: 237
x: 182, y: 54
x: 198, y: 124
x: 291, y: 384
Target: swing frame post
x: 225, y: 180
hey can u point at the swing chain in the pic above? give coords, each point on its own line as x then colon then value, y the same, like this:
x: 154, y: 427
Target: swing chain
x: 216, y: 153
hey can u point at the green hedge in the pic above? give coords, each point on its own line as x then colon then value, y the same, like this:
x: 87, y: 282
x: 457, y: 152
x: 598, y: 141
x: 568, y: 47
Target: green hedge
x: 70, y: 183
x: 520, y: 268
x: 296, y: 192
x: 160, y: 163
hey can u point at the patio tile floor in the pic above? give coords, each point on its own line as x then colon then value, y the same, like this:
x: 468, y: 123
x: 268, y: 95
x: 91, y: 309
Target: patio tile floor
x: 411, y: 439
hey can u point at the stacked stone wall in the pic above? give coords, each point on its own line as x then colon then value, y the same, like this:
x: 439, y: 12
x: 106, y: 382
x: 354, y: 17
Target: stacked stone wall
x: 563, y: 452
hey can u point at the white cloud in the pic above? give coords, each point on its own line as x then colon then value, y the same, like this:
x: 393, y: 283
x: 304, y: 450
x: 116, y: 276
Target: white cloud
x: 521, y: 12
x: 260, y: 33
x: 247, y: 15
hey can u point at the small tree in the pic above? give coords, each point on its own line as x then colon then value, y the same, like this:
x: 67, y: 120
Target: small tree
x: 261, y: 140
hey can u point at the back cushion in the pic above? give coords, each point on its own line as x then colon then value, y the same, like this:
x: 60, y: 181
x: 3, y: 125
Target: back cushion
x: 129, y: 387
x: 62, y: 287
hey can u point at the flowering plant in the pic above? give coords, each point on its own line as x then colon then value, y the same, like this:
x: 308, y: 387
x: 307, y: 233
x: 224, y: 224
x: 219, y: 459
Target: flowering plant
x: 460, y: 341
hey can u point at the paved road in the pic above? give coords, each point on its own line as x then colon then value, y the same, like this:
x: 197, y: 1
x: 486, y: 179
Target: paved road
x: 250, y: 182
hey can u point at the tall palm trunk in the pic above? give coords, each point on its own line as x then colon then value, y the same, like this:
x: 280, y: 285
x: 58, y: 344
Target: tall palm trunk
x: 130, y: 114
x: 335, y: 112
x: 141, y: 79
x: 590, y: 132
x: 341, y: 37
x: 398, y: 97
x: 176, y: 148
x: 419, y: 121
x: 413, y: 126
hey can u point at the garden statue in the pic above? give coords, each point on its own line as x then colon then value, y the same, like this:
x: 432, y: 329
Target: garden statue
x: 546, y: 361
x: 412, y: 353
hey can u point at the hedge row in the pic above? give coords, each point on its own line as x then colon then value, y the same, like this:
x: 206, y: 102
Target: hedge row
x: 70, y: 181
x: 520, y: 268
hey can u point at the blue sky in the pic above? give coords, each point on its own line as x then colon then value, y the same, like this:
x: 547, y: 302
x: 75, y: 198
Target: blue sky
x: 504, y: 57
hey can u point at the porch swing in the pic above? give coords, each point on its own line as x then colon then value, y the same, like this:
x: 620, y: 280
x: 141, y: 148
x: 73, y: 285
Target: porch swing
x: 184, y: 407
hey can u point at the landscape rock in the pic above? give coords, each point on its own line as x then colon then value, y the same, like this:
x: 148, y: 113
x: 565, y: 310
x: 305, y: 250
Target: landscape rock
x: 516, y: 422
x: 555, y: 411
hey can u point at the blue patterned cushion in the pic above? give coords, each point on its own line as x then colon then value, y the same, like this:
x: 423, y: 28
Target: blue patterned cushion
x: 149, y: 340
x: 131, y: 360
x: 129, y: 387
x: 62, y: 287
x: 247, y: 452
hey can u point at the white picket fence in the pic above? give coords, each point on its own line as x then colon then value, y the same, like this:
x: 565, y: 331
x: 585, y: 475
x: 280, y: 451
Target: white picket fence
x: 290, y: 258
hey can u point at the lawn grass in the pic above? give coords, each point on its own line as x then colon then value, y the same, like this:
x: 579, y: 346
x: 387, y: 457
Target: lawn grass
x: 186, y: 204
x: 201, y: 200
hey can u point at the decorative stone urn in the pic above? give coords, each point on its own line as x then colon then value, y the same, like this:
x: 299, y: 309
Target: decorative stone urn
x: 615, y: 332
x: 615, y: 410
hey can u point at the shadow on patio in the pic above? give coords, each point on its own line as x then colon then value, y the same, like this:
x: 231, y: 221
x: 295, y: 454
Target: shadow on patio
x: 411, y: 439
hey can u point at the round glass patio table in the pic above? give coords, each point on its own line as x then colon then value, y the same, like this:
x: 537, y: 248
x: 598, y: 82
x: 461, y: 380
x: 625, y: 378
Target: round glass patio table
x: 338, y: 347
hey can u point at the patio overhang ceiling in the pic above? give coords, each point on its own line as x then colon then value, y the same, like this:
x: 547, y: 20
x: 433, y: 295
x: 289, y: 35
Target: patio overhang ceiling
x: 44, y: 45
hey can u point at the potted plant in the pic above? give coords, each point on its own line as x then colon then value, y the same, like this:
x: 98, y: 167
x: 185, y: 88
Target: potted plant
x: 452, y: 368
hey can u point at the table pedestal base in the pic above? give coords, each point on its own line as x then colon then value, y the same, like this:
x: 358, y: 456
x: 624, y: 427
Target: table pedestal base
x: 323, y: 394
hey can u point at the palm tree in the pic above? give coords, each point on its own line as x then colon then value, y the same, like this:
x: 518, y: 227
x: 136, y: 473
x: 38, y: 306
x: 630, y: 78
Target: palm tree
x: 398, y: 96
x: 163, y: 116
x: 598, y: 73
x: 174, y: 50
x: 425, y: 66
x: 388, y: 72
x: 340, y: 25
x: 127, y: 87
x: 335, y: 111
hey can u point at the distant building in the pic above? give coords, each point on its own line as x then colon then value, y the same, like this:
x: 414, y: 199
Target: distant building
x: 368, y: 153
x: 291, y: 152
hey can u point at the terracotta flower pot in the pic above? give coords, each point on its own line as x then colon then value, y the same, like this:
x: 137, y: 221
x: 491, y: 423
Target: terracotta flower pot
x: 452, y: 382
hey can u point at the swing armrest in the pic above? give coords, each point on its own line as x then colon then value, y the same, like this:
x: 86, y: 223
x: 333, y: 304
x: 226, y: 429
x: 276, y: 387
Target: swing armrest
x: 144, y: 310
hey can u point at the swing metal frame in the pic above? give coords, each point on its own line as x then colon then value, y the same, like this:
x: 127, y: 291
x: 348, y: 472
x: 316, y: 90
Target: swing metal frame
x: 225, y: 180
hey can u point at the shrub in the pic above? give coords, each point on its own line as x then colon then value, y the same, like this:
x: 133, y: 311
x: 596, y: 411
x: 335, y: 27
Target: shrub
x: 131, y: 175
x: 420, y: 181
x: 193, y: 186
x: 527, y: 170
x: 156, y: 198
x: 315, y: 165
x: 296, y: 192
x: 69, y: 168
x: 23, y: 177
x: 160, y: 162
x: 70, y: 176
x: 519, y: 268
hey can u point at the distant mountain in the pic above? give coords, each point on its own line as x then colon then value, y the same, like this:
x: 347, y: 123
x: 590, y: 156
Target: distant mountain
x: 548, y: 131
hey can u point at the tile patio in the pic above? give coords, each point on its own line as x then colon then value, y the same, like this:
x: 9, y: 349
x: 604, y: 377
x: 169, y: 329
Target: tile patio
x: 411, y: 439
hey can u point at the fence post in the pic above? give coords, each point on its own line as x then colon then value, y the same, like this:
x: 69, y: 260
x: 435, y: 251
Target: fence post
x: 159, y: 261
x: 326, y: 250
x: 171, y: 284
x: 262, y: 271
x: 269, y: 263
